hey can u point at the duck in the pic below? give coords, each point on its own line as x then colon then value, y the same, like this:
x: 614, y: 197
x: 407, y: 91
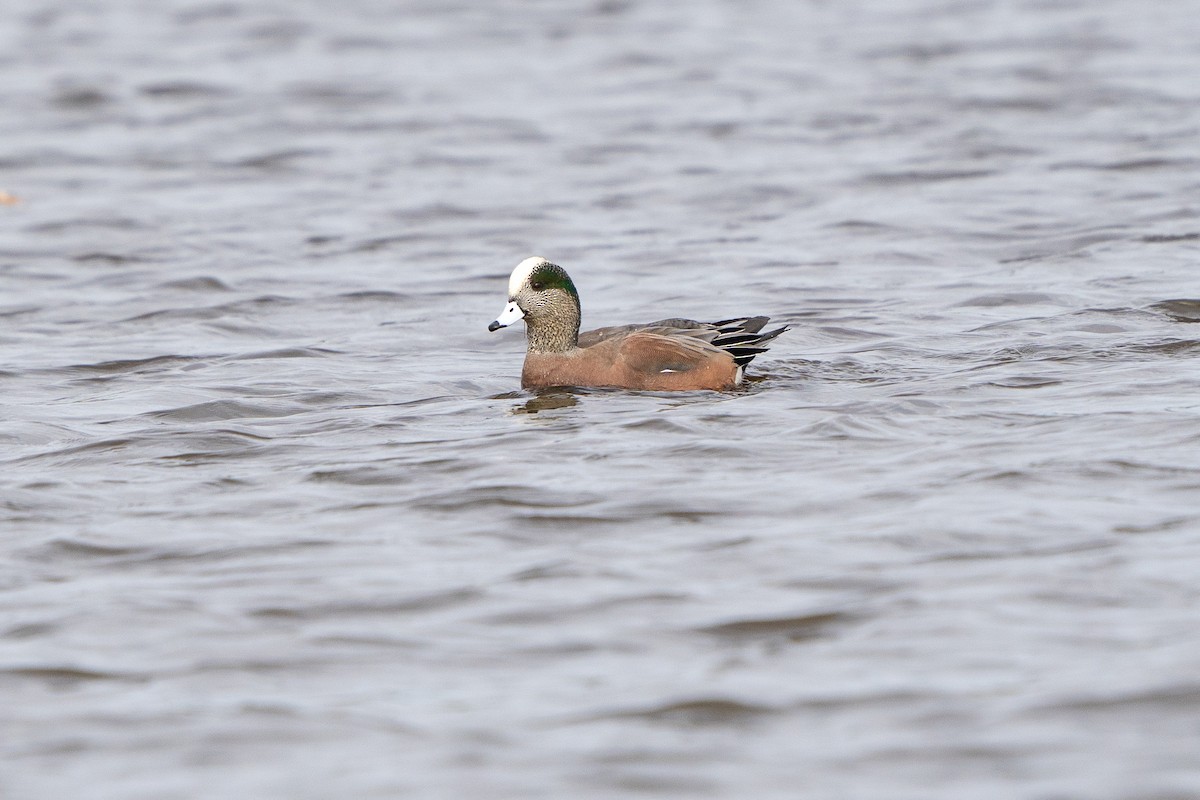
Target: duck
x: 668, y: 355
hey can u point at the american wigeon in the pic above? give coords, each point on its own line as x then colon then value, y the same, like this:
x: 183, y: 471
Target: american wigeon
x: 668, y: 355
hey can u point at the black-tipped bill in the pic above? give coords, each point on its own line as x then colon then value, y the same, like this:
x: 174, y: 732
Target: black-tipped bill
x: 511, y: 313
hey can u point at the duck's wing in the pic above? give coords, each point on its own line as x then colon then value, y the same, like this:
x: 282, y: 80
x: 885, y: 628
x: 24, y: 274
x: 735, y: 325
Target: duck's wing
x: 665, y: 326
x: 741, y: 337
x: 646, y: 352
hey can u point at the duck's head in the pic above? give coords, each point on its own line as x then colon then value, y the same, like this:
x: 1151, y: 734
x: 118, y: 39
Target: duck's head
x: 543, y: 295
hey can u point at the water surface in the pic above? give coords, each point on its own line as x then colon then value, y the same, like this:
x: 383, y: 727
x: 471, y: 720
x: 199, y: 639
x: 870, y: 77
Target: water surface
x: 278, y: 521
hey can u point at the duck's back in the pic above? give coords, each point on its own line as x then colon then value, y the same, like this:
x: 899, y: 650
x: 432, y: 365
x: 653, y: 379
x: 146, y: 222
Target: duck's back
x: 740, y: 337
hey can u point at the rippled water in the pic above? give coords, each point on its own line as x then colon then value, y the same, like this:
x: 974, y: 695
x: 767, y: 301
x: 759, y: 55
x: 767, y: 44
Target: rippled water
x: 277, y: 520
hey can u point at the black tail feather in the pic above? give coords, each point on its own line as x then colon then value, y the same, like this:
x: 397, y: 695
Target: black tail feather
x: 740, y: 337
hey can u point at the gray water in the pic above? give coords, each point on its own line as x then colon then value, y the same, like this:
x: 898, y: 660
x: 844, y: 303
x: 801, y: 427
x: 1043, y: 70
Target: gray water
x: 277, y: 521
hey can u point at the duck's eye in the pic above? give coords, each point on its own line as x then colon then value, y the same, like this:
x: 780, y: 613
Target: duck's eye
x: 537, y: 286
